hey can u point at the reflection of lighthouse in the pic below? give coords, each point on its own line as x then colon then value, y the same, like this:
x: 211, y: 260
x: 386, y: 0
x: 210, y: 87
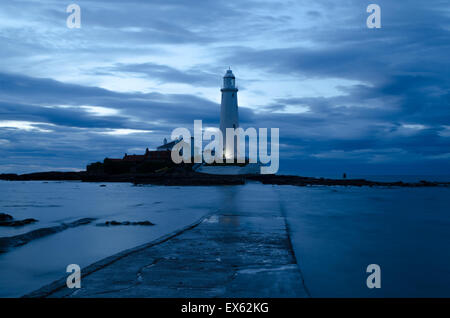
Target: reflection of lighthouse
x: 229, y: 111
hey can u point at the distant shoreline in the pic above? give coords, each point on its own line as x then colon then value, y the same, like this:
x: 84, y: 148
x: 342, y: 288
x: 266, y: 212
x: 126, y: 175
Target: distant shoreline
x: 185, y: 177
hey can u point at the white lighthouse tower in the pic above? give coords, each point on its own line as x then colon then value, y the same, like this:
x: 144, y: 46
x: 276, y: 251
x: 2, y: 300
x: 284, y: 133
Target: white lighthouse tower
x: 229, y: 117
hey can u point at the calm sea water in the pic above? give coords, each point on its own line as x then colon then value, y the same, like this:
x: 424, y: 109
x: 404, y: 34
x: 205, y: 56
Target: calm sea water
x: 42, y: 261
x: 336, y: 231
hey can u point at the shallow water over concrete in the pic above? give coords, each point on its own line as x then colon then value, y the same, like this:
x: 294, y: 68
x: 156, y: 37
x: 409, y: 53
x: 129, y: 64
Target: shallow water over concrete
x: 242, y: 250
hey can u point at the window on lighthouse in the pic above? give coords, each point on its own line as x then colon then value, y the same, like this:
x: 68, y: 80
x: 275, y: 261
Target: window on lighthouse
x: 228, y: 82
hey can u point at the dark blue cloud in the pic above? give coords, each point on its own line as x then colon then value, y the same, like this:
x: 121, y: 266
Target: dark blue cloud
x: 166, y: 74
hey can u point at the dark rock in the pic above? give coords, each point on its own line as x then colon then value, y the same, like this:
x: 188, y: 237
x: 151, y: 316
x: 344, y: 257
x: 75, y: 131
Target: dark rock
x: 9, y: 221
x: 18, y: 222
x: 113, y: 223
x: 143, y: 223
x: 9, y: 176
x: 50, y: 175
x: 5, y: 217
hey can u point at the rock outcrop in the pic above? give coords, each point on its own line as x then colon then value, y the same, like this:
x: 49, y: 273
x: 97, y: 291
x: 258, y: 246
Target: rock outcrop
x: 8, y: 220
x: 6, y: 243
x: 115, y: 223
x: 183, y: 175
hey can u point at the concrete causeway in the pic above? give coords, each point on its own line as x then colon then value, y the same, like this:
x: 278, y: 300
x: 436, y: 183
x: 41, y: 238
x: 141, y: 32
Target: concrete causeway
x: 242, y: 250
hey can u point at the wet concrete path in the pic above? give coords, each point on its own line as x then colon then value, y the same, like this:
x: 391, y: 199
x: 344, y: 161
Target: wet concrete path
x: 240, y: 250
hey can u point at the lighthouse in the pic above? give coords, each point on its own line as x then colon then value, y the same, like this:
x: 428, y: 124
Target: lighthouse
x: 229, y: 117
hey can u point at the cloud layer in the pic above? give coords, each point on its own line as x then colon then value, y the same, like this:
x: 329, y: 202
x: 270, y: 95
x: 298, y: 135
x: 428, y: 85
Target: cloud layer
x: 345, y: 97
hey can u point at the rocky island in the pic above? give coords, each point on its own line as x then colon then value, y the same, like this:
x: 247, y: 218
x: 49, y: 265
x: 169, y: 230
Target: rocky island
x: 184, y: 175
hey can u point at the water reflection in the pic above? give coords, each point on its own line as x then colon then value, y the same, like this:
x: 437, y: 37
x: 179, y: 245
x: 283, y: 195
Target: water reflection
x: 230, y: 207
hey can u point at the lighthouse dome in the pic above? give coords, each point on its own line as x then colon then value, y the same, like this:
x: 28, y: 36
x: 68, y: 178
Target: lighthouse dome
x: 229, y: 73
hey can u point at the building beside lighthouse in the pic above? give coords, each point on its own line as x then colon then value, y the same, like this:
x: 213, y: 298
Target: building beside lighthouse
x: 160, y: 160
x: 229, y: 117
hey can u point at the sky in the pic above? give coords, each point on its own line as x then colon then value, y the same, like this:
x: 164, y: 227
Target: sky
x: 346, y: 98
